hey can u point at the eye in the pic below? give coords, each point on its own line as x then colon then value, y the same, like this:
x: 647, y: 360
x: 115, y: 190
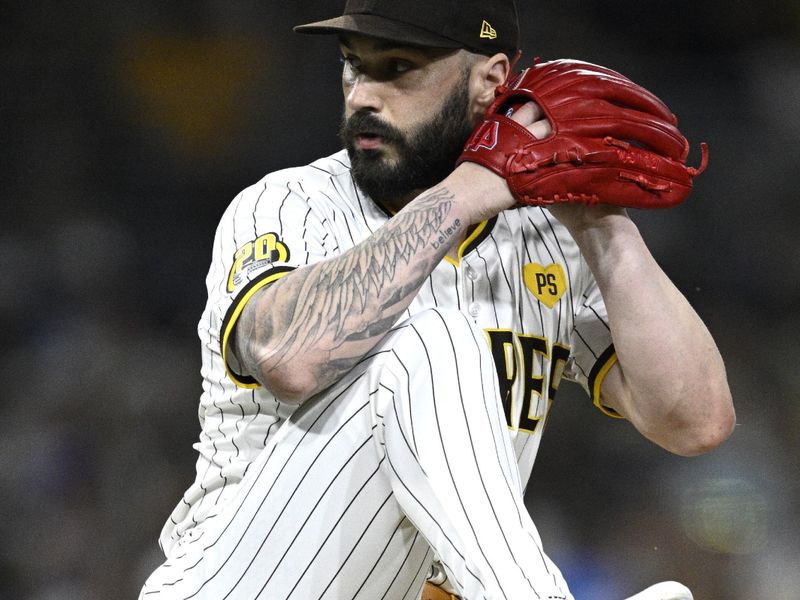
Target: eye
x: 350, y: 69
x: 398, y: 65
x: 350, y: 63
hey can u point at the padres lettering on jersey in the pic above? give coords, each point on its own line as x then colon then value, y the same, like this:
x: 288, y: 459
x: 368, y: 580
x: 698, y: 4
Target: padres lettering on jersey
x: 516, y: 356
x: 520, y: 277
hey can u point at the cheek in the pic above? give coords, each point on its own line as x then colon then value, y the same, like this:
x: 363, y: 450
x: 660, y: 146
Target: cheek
x: 416, y: 112
x: 408, y: 111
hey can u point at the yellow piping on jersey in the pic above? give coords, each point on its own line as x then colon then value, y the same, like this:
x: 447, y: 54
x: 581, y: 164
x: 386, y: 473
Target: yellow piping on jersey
x: 232, y: 322
x: 598, y: 383
x: 465, y: 244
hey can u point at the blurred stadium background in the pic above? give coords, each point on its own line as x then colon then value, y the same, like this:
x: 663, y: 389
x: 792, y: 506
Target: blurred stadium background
x: 126, y: 128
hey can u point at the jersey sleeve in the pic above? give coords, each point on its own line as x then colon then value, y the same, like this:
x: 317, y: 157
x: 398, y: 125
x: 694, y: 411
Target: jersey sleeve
x: 269, y: 230
x: 593, y: 352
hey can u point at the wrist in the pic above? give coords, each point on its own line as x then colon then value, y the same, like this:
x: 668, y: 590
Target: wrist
x: 594, y: 224
x: 578, y: 217
x: 480, y: 194
x: 613, y: 247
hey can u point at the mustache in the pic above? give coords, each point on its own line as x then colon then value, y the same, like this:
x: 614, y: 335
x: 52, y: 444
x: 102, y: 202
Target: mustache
x: 362, y: 122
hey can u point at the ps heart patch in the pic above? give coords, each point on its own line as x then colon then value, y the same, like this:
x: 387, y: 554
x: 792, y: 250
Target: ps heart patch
x: 548, y: 284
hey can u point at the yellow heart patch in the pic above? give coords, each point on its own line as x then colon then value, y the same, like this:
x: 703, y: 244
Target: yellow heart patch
x: 548, y: 284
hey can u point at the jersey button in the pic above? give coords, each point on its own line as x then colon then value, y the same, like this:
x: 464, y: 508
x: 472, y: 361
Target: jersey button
x: 472, y: 274
x: 474, y: 309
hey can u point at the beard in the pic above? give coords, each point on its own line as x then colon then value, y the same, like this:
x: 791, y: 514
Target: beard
x: 425, y: 156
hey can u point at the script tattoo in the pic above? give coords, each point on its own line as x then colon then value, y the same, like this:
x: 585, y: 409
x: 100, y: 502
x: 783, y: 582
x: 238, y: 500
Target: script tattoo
x: 338, y: 309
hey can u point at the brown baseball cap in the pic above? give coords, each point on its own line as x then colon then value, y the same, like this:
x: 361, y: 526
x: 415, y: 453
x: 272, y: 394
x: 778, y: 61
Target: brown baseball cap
x: 484, y: 27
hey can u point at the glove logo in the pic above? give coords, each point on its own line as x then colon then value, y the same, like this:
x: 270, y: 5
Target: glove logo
x: 548, y: 284
x: 484, y: 137
x: 488, y: 32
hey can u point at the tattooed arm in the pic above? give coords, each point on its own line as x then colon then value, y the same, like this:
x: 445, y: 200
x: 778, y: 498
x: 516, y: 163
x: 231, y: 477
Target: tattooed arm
x: 300, y: 334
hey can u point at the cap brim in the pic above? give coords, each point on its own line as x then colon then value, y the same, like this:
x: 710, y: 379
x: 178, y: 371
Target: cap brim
x: 379, y: 27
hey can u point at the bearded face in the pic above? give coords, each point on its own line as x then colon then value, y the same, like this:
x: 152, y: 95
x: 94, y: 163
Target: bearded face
x: 422, y: 156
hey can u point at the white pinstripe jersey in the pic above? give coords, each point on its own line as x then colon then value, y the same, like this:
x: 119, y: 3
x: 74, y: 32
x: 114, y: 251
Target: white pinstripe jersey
x: 520, y: 276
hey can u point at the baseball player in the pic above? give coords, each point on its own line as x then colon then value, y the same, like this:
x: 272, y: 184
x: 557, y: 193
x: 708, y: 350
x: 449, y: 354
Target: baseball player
x: 385, y: 335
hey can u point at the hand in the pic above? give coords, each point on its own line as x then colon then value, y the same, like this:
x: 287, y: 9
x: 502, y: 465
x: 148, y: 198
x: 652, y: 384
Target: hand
x: 532, y: 117
x: 574, y: 216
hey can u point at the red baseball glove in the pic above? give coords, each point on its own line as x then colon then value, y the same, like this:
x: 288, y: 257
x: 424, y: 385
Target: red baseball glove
x: 613, y: 142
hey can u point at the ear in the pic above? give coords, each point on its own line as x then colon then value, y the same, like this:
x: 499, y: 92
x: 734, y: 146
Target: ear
x: 487, y: 73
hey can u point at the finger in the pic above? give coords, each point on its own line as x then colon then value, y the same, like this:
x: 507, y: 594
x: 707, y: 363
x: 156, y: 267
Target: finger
x: 538, y: 113
x: 540, y: 129
x: 527, y: 113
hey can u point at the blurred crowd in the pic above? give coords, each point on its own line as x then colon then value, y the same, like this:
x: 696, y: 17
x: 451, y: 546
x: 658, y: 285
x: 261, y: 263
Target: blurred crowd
x: 126, y: 129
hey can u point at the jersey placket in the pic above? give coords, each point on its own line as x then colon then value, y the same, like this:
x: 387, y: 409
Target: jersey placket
x: 468, y: 278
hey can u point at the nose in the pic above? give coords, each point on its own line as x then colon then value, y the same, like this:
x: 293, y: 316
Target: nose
x: 363, y: 93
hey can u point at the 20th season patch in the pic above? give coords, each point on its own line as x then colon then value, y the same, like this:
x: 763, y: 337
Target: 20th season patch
x: 256, y: 255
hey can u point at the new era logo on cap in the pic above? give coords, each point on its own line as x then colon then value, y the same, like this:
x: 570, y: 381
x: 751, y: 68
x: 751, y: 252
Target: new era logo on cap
x: 487, y: 31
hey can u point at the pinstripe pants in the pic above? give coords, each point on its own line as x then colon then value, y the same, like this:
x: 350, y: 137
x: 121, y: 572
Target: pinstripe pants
x: 406, y: 456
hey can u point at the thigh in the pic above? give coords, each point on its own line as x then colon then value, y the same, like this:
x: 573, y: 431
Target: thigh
x: 315, y: 516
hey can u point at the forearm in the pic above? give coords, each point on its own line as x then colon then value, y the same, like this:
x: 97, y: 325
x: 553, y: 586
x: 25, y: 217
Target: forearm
x: 306, y: 330
x: 673, y: 383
